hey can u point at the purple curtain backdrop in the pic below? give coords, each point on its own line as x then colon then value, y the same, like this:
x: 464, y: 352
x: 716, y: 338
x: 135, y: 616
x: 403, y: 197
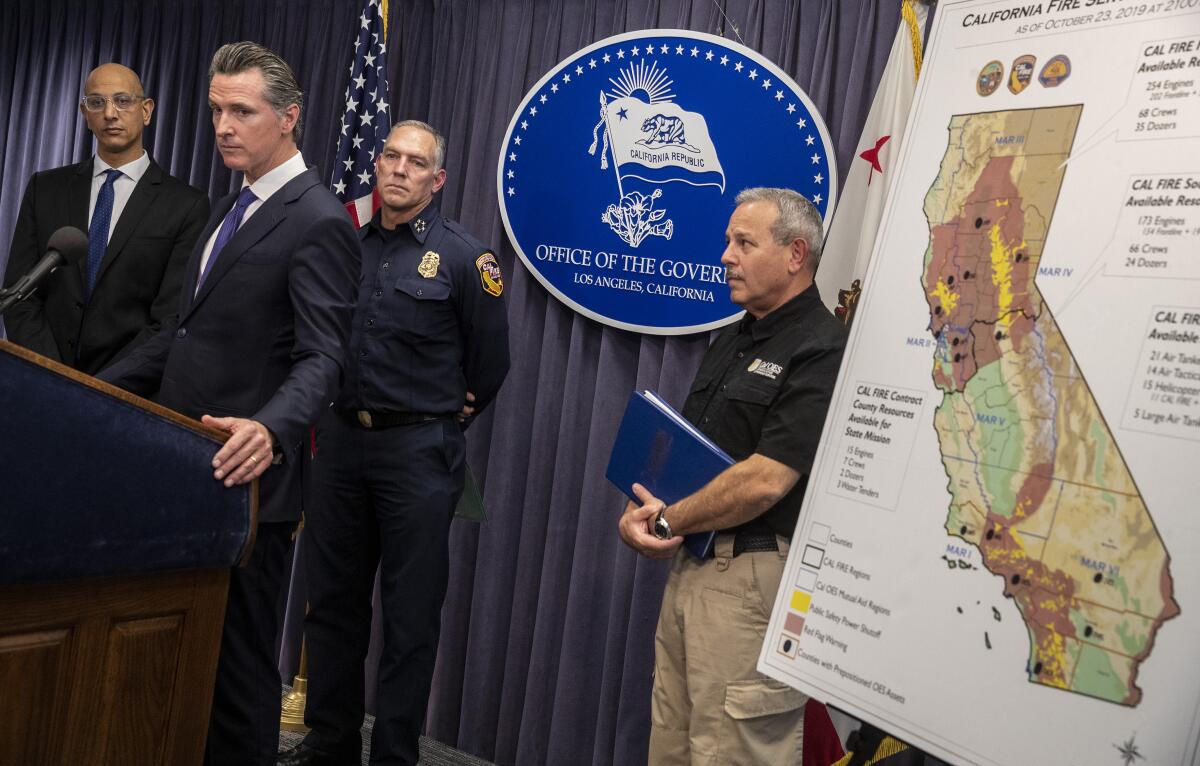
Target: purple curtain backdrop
x: 547, y: 646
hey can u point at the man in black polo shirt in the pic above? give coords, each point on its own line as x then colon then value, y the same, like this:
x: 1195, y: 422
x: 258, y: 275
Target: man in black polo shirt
x: 429, y: 348
x: 761, y: 394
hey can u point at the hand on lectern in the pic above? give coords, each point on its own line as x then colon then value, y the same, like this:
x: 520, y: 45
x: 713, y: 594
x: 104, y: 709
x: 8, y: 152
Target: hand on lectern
x: 246, y: 454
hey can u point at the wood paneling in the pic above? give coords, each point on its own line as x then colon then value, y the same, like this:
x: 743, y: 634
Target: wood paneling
x: 31, y: 663
x: 113, y: 671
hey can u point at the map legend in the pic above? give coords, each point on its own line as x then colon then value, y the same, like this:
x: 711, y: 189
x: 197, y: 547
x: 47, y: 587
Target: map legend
x: 1164, y: 397
x: 876, y: 438
x: 806, y: 579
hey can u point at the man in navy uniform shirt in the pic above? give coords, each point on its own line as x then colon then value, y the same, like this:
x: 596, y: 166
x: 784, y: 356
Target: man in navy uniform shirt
x: 429, y: 349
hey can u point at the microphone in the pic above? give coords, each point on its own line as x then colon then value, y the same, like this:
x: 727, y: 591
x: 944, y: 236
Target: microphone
x: 67, y: 245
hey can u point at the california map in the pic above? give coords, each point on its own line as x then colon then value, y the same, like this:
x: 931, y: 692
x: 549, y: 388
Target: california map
x: 1036, y: 479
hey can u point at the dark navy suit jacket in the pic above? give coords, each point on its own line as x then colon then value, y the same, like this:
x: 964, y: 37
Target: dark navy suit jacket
x: 264, y: 338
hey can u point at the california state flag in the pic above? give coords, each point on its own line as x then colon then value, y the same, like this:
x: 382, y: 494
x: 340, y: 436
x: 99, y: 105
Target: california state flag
x: 860, y: 206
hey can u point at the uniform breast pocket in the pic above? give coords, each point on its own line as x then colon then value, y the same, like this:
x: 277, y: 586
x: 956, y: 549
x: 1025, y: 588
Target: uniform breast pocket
x: 752, y: 392
x: 749, y: 400
x: 422, y: 305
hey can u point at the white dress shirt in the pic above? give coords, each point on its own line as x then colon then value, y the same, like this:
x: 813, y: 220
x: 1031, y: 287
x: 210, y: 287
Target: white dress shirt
x: 131, y: 173
x: 263, y: 188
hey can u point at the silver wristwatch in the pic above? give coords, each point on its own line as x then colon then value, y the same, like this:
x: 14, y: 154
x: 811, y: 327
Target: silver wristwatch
x: 662, y: 530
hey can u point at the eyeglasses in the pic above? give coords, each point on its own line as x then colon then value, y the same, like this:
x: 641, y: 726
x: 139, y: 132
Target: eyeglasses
x: 120, y: 101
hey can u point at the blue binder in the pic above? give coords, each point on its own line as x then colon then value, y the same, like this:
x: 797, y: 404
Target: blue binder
x: 657, y: 448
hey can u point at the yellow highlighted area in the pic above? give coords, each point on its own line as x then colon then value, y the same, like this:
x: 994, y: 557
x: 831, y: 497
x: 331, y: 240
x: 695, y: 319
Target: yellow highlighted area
x: 800, y: 601
x: 1053, y: 656
x: 948, y: 299
x: 1001, y: 258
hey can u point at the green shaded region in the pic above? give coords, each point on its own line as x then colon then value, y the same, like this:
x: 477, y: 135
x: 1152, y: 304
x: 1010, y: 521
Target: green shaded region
x: 951, y: 440
x: 1119, y: 583
x: 954, y: 520
x: 1072, y: 649
x: 1078, y: 621
x: 999, y: 438
x: 945, y: 380
x: 1132, y: 642
x: 1095, y: 676
x: 1108, y: 498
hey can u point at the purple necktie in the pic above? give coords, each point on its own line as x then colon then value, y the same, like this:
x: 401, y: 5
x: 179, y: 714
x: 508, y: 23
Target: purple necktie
x: 233, y: 219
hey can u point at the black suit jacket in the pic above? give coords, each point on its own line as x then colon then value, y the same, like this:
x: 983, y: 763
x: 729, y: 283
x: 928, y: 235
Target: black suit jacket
x: 264, y: 337
x: 138, y: 285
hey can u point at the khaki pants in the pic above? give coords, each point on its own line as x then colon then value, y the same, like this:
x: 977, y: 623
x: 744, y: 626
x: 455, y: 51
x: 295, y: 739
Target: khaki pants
x: 710, y: 704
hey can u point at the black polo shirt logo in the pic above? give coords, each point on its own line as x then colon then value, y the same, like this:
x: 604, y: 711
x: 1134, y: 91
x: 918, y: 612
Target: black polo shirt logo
x: 766, y: 369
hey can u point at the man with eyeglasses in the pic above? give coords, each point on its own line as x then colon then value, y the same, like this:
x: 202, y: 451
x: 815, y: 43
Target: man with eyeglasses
x: 141, y: 224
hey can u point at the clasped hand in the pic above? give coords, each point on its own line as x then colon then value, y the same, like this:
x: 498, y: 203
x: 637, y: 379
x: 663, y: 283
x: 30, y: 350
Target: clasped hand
x: 637, y: 526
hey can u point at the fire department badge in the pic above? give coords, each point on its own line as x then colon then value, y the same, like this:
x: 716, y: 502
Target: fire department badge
x: 1021, y: 73
x: 429, y: 265
x: 1056, y: 70
x: 489, y: 274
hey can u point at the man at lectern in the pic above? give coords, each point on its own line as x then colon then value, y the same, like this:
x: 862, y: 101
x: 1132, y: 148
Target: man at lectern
x: 761, y: 394
x: 141, y: 224
x: 256, y: 350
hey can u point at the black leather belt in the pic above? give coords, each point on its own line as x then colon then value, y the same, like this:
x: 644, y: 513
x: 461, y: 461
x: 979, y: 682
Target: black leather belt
x: 754, y: 542
x: 378, y: 420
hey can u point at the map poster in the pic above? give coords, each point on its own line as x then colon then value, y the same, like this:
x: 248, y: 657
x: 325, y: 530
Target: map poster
x: 998, y: 560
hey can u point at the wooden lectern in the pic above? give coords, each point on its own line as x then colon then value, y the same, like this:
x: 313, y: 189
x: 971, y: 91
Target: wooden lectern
x: 115, y: 549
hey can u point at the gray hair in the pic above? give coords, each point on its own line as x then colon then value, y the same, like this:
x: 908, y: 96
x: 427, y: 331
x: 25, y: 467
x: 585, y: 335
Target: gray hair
x: 439, y: 152
x: 281, y: 89
x: 798, y: 218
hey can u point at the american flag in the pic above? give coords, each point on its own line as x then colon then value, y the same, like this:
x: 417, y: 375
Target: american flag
x: 365, y: 122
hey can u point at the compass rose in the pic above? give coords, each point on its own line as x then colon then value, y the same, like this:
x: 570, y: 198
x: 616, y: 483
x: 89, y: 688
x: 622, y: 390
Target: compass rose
x: 1129, y: 751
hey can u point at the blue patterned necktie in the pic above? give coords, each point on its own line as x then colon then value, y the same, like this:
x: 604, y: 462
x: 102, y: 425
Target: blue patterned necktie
x: 233, y: 219
x: 98, y: 230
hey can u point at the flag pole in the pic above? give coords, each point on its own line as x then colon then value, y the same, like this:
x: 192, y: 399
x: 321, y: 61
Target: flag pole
x: 293, y: 704
x: 611, y: 148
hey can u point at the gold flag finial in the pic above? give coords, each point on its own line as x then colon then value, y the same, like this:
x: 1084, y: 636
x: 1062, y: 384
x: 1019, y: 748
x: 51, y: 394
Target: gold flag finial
x: 848, y: 302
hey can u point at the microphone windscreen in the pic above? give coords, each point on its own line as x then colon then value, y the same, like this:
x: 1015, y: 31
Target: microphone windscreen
x: 70, y: 242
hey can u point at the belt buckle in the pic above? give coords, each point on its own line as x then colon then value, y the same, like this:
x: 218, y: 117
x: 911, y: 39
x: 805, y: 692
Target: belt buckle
x: 364, y: 418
